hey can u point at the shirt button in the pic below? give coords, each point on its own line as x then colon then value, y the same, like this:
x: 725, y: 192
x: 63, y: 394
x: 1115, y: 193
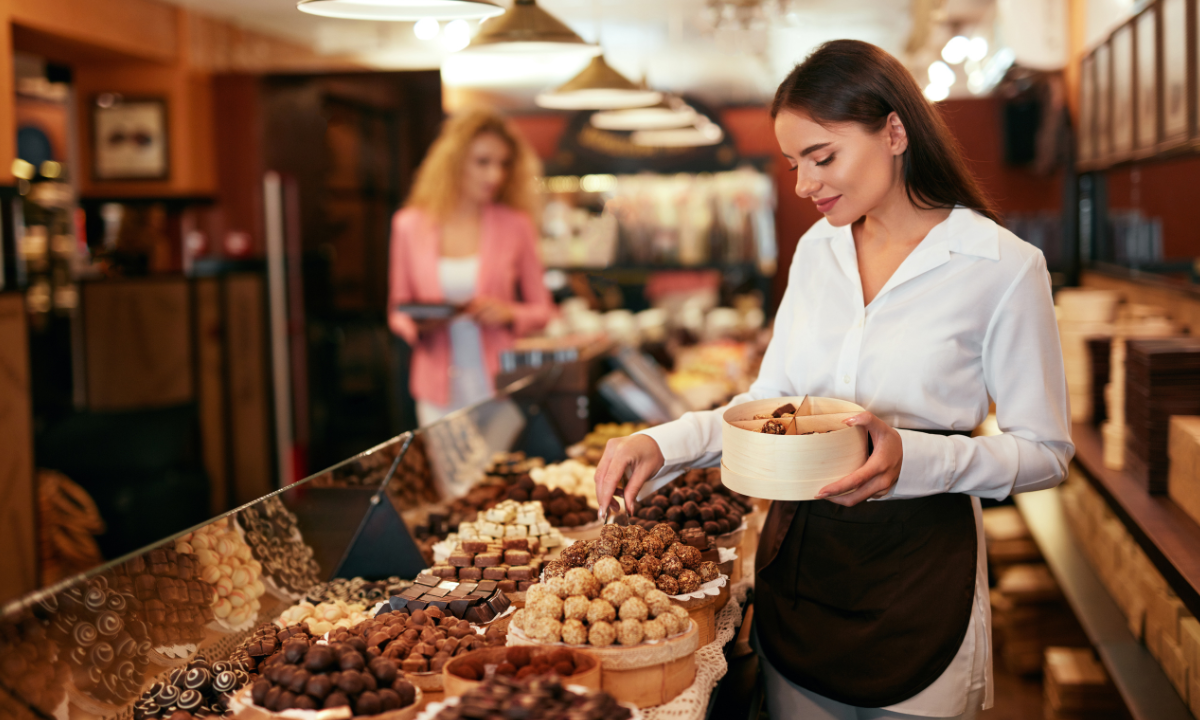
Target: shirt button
x: 846, y: 379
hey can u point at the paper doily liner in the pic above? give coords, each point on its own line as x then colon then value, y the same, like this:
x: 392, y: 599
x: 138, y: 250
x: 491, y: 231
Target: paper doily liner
x: 712, y: 588
x: 726, y: 554
x: 63, y: 711
x: 432, y: 709
x: 644, y: 654
x: 221, y: 626
x: 711, y: 666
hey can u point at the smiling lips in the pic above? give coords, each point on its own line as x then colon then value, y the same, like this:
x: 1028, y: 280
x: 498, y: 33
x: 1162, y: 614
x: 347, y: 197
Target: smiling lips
x: 826, y: 204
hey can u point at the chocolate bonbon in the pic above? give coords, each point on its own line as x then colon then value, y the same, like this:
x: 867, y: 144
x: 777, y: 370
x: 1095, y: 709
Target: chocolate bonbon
x: 533, y: 696
x: 273, y: 533
x: 348, y: 677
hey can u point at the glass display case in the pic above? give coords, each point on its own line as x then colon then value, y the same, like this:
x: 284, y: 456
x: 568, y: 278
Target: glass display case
x: 107, y: 643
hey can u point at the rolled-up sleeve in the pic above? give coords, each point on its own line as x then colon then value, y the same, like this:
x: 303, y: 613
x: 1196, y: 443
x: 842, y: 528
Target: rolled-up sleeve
x: 1023, y: 370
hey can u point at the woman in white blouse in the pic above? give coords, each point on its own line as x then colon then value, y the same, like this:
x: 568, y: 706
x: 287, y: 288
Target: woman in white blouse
x: 909, y: 299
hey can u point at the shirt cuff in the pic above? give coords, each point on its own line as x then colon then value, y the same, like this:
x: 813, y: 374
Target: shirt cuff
x: 926, y: 467
x: 673, y: 442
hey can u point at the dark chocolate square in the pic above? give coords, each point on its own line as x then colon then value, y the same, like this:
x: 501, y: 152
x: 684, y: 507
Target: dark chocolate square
x: 427, y: 579
x: 487, y: 585
x: 419, y: 604
x: 459, y: 607
x: 440, y: 604
x: 437, y: 592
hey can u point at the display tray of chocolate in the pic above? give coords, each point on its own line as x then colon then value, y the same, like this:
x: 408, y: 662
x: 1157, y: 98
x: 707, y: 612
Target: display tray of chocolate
x: 103, y: 634
x: 476, y: 601
x: 177, y: 604
x: 326, y: 676
x: 570, y: 665
x: 659, y: 555
x: 273, y: 534
x: 696, y: 499
x: 598, y: 607
x: 356, y: 590
x: 513, y: 563
x: 200, y: 688
x: 421, y: 640
x: 31, y: 664
x: 325, y: 617
x: 228, y: 566
x: 535, y: 697
x: 266, y: 641
x: 513, y: 464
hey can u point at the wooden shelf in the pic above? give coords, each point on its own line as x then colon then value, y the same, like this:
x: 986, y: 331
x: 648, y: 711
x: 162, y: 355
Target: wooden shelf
x: 1138, y: 677
x: 1164, y: 531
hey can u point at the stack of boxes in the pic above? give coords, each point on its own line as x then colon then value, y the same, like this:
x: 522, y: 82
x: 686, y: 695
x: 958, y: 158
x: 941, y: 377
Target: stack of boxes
x: 1008, y: 539
x: 1082, y: 314
x: 1029, y: 615
x: 1162, y: 378
x: 1077, y: 688
x: 1154, y: 613
x: 1183, y: 479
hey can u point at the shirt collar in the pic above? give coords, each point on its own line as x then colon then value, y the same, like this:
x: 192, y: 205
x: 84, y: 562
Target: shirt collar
x: 965, y: 232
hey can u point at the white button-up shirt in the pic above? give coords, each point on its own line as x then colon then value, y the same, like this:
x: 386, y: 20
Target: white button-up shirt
x: 966, y: 317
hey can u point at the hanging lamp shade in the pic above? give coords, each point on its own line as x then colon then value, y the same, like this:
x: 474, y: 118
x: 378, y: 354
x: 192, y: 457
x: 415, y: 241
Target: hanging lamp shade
x: 598, y: 87
x: 702, y: 133
x: 401, y: 10
x: 527, y: 28
x: 670, y: 114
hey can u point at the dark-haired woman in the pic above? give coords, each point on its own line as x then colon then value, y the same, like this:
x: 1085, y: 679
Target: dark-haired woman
x: 909, y: 299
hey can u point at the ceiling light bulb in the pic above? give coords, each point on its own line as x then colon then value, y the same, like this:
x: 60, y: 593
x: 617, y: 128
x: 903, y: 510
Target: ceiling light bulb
x: 956, y: 50
x: 457, y: 35
x: 401, y: 10
x: 426, y: 29
x: 937, y: 93
x: 977, y: 49
x: 977, y: 82
x: 941, y: 74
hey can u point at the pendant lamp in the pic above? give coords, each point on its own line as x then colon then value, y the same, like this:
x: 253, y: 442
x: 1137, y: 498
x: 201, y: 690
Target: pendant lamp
x: 670, y: 114
x: 598, y: 87
x: 402, y: 10
x: 527, y: 28
x: 702, y: 134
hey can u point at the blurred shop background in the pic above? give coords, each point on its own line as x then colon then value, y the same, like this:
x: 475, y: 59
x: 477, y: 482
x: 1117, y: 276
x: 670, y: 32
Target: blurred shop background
x: 196, y: 197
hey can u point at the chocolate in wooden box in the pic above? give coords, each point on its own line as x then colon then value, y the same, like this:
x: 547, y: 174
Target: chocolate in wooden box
x: 1162, y: 378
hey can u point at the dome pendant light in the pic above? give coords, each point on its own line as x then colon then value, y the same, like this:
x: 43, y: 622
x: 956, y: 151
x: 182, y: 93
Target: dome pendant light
x: 401, y: 10
x: 598, y: 87
x: 527, y: 28
x: 670, y: 114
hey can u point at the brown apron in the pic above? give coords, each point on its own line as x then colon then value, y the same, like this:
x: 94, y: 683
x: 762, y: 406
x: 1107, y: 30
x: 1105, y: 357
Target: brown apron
x: 866, y: 605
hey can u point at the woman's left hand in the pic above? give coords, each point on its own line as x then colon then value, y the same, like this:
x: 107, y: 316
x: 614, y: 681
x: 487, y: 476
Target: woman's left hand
x: 490, y: 311
x: 877, y: 476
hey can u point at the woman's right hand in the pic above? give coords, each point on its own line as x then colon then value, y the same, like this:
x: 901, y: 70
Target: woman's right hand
x: 637, y: 454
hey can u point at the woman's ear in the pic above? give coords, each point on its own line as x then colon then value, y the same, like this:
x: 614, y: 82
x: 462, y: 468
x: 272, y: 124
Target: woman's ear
x: 897, y: 136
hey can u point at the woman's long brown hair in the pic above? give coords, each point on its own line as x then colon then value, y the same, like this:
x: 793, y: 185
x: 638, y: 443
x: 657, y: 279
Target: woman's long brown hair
x: 853, y: 81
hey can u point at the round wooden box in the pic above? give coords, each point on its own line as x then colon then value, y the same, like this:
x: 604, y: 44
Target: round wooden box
x: 645, y: 675
x: 703, y: 612
x: 587, y: 669
x: 245, y: 709
x: 817, y: 449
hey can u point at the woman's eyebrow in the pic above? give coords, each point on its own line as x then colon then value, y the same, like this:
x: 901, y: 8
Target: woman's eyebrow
x: 812, y: 149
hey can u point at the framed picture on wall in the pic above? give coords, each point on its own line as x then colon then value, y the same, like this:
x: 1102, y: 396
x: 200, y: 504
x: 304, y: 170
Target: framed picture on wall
x: 1146, y: 27
x: 1103, y: 73
x: 1122, y: 92
x: 1087, y: 110
x: 129, y: 138
x: 1174, y: 71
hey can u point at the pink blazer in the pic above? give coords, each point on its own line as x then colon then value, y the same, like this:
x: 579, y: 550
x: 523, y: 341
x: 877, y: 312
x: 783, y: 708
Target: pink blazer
x: 507, y: 258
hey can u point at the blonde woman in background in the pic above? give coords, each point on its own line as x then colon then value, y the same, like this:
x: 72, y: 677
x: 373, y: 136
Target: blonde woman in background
x: 467, y: 237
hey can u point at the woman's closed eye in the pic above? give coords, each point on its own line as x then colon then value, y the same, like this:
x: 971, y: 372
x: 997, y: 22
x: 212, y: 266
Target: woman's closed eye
x: 826, y: 161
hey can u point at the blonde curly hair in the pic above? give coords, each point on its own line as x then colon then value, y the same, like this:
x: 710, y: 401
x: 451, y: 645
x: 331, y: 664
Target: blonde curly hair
x: 438, y: 182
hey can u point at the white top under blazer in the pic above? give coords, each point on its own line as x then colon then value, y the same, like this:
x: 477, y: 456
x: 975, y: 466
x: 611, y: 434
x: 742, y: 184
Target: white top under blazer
x: 966, y: 317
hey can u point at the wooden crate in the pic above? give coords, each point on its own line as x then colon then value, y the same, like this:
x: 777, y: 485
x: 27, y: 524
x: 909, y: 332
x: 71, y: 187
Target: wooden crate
x: 1007, y: 538
x: 1077, y: 686
x: 1183, y: 450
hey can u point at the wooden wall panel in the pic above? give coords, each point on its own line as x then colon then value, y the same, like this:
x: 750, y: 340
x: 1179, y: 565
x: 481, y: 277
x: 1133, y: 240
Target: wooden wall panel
x: 18, y: 527
x: 249, y: 397
x: 137, y: 343
x: 210, y: 391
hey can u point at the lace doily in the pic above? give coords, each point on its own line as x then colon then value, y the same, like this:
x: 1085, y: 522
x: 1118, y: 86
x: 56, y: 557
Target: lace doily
x: 725, y: 554
x: 712, y: 588
x: 692, y: 703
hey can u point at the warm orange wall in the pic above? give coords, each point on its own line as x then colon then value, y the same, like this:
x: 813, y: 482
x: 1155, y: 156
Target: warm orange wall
x: 142, y: 48
x: 1164, y: 189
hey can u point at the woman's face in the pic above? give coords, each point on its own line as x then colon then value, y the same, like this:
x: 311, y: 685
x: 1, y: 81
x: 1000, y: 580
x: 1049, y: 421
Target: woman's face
x: 485, y: 168
x: 846, y: 169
